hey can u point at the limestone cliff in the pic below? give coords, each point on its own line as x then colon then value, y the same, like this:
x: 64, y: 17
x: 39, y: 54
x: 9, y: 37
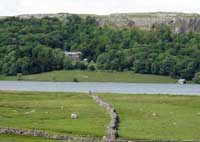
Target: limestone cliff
x: 178, y: 22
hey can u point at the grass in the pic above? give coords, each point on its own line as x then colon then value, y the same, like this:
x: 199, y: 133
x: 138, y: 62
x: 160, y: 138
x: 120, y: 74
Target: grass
x: 96, y: 76
x: 141, y: 116
x: 51, y: 112
x: 13, y: 138
x: 157, y: 116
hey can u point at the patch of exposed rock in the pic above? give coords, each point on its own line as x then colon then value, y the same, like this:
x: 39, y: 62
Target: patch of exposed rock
x: 178, y: 22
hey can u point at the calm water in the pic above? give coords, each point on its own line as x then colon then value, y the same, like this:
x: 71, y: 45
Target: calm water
x: 132, y: 88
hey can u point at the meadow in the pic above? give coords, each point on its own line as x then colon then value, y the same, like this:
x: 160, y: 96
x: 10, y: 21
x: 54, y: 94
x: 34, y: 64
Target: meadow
x: 51, y: 112
x: 151, y: 117
x: 157, y: 117
x: 93, y: 76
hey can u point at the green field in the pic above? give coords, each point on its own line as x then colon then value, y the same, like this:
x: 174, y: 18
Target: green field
x: 141, y: 116
x: 157, y: 116
x: 96, y: 76
x: 13, y: 138
x: 51, y: 112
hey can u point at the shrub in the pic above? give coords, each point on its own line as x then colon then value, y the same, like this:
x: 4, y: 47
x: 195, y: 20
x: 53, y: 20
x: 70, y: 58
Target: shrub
x: 196, y: 78
x: 81, y: 65
x: 19, y: 76
x: 92, y: 66
x: 68, y: 63
x: 75, y: 79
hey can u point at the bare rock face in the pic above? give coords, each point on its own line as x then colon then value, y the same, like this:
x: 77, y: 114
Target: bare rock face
x: 178, y: 22
x: 186, y: 25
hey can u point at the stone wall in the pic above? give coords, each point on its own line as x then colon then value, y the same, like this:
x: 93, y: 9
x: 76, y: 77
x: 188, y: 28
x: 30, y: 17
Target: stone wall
x: 111, y: 131
x: 36, y: 133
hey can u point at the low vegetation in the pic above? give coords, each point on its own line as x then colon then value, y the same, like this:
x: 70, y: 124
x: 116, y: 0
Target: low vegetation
x: 51, y: 112
x: 93, y: 76
x: 196, y: 78
x: 141, y: 116
x: 157, y: 116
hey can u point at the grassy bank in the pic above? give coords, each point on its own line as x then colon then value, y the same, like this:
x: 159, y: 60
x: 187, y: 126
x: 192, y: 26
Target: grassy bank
x: 157, y: 116
x: 51, y: 112
x: 96, y: 76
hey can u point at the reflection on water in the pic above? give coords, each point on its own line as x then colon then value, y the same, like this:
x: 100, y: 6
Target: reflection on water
x: 132, y: 88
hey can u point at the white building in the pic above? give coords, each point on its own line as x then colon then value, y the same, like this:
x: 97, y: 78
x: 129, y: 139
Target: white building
x: 74, y: 55
x: 182, y: 81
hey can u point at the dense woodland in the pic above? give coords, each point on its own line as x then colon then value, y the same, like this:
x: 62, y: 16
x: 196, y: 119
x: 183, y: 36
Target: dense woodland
x: 31, y: 46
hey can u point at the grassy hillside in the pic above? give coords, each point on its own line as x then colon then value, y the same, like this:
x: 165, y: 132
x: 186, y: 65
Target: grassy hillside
x: 96, y: 76
x: 157, y: 116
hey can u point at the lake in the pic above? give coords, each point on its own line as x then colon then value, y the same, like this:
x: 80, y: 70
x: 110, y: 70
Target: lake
x: 127, y: 88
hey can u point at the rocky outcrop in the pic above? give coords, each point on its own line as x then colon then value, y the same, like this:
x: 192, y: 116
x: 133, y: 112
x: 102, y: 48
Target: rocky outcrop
x: 178, y: 22
x: 36, y: 133
x: 111, y: 131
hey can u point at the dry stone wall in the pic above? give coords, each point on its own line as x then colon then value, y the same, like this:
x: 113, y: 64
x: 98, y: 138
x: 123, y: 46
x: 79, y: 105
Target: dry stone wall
x: 36, y: 133
x: 111, y: 131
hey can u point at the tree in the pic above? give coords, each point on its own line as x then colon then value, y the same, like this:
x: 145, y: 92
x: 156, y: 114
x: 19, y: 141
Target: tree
x: 67, y: 63
x: 92, y: 66
x: 167, y: 65
x: 155, y: 68
x: 37, y: 45
x: 24, y: 64
x: 81, y: 65
x: 102, y: 61
x: 196, y: 78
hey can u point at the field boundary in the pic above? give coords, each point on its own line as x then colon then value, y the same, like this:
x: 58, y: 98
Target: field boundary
x: 112, y: 128
x: 149, y: 140
x: 43, y: 134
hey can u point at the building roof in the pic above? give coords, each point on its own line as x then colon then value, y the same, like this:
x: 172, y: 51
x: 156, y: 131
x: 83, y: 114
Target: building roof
x: 71, y: 53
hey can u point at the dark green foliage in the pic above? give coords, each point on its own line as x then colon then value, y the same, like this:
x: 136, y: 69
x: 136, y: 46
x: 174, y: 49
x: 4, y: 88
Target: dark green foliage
x: 30, y: 46
x: 68, y: 63
x: 196, y: 78
x: 92, y: 66
x: 80, y: 65
x: 19, y: 76
x: 75, y: 79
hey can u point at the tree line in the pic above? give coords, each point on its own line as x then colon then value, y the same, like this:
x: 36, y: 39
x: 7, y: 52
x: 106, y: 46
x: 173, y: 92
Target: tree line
x: 33, y: 45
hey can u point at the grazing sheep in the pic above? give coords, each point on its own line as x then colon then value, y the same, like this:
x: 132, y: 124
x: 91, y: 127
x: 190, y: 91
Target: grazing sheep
x: 74, y: 116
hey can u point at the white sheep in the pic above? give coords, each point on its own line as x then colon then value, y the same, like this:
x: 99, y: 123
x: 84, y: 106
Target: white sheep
x: 74, y: 116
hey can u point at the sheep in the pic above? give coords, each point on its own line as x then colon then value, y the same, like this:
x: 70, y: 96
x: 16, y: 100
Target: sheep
x: 74, y: 116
